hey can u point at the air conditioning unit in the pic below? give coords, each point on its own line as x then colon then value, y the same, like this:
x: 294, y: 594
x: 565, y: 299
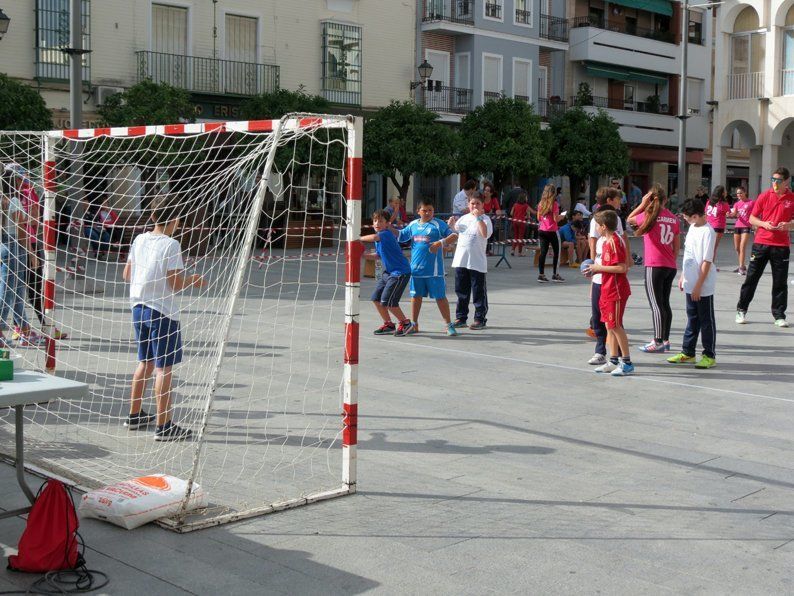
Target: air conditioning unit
x: 102, y: 93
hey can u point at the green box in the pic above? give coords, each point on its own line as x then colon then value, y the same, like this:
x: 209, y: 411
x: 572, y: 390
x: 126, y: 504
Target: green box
x: 6, y: 370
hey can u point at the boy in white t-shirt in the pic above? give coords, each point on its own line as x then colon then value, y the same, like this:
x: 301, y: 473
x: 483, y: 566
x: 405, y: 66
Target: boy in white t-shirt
x: 471, y: 263
x: 155, y: 273
x: 698, y: 279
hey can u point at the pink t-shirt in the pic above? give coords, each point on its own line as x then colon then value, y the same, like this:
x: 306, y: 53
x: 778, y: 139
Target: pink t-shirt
x: 716, y: 215
x: 659, y: 240
x: 548, y: 223
x: 29, y: 198
x: 743, y: 210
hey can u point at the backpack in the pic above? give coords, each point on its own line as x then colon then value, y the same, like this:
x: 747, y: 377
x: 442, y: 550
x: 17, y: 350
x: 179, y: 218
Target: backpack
x: 49, y: 542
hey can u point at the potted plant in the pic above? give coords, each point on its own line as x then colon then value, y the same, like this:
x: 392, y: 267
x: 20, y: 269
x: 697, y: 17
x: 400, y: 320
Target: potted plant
x: 584, y: 95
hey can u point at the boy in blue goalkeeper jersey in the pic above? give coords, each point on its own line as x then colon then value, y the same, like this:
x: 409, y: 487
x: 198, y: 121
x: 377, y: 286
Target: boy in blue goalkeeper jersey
x: 428, y: 237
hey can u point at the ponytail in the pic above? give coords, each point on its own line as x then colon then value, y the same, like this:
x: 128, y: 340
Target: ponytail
x: 717, y: 195
x: 658, y: 199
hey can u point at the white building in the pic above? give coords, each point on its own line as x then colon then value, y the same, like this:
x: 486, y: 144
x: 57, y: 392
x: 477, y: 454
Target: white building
x: 358, y: 54
x: 754, y: 87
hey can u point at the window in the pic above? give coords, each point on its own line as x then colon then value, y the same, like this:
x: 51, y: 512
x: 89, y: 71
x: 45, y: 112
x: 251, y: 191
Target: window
x: 694, y: 95
x: 493, y: 9
x: 696, y: 27
x: 522, y: 77
x: 628, y: 97
x: 240, y: 43
x: 52, y: 35
x: 491, y: 76
x: 787, y: 78
x: 747, y: 53
x: 523, y: 13
x: 169, y: 29
x: 342, y: 63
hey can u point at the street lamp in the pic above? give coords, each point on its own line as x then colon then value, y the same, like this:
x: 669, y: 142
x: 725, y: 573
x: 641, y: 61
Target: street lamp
x: 425, y: 71
x: 4, y: 23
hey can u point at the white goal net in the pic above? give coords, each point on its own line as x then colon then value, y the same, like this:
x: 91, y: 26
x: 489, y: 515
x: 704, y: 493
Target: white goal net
x: 267, y: 379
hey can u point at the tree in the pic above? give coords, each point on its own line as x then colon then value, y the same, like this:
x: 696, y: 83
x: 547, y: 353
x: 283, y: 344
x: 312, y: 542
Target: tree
x: 504, y: 137
x: 278, y: 103
x: 583, y: 144
x: 403, y: 139
x: 148, y: 102
x: 21, y: 107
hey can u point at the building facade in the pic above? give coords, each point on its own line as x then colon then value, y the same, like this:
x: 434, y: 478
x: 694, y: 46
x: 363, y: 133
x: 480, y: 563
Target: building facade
x: 358, y: 54
x: 625, y: 57
x: 485, y: 49
x: 754, y: 88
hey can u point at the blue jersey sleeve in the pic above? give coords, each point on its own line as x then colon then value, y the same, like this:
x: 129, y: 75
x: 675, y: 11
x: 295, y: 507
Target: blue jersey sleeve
x: 406, y: 233
x: 444, y: 229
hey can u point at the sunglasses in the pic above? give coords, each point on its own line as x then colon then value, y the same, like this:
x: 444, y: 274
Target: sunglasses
x: 778, y: 180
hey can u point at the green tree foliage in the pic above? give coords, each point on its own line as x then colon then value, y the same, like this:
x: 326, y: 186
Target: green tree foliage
x: 148, y: 102
x: 504, y: 137
x: 277, y: 104
x: 583, y: 144
x: 403, y: 139
x: 21, y: 107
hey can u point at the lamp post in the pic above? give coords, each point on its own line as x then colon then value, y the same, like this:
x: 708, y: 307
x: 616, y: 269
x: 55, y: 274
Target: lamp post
x: 683, y: 111
x: 425, y: 71
x: 4, y: 23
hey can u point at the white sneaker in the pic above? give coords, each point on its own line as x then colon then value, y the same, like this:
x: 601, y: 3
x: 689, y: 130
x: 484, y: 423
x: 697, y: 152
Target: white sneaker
x: 597, y: 359
x: 781, y: 323
x: 608, y: 367
x: 741, y: 318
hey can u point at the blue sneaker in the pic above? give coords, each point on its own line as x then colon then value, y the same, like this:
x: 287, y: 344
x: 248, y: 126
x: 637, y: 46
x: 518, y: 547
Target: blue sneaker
x: 451, y: 331
x: 622, y: 370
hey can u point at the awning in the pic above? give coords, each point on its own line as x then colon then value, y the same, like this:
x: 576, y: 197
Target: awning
x: 623, y: 74
x: 658, y: 6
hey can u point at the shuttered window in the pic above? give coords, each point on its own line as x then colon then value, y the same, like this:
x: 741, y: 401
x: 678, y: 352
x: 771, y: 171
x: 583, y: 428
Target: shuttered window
x: 240, y: 38
x: 169, y: 29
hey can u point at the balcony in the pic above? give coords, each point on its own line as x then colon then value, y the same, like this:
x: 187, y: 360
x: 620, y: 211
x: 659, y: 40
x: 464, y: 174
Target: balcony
x: 493, y: 10
x: 448, y: 15
x: 787, y: 81
x: 664, y: 36
x: 749, y: 85
x: 553, y: 28
x: 548, y: 108
x: 445, y: 99
x: 523, y: 17
x: 609, y: 103
x: 491, y: 96
x: 208, y: 75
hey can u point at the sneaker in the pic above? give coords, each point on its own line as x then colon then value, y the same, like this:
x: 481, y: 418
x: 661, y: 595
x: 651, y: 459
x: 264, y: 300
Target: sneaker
x: 781, y: 323
x: 138, y: 420
x: 31, y: 340
x: 737, y: 270
x: 477, y: 325
x: 590, y: 333
x: 743, y: 271
x: 543, y: 279
x: 16, y: 334
x: 706, y: 362
x: 404, y: 328
x: 385, y: 329
x: 597, y: 360
x: 411, y: 329
x: 607, y: 367
x: 623, y: 370
x: 667, y: 346
x: 458, y: 323
x: 741, y: 318
x: 654, y: 348
x: 171, y: 432
x: 557, y: 277
x: 451, y: 331
x: 680, y: 359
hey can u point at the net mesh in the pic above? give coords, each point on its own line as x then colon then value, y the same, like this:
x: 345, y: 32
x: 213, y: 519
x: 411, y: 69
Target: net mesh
x: 272, y: 411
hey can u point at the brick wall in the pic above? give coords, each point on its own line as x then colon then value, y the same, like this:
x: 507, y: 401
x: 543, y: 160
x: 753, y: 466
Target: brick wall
x: 442, y: 43
x: 544, y: 58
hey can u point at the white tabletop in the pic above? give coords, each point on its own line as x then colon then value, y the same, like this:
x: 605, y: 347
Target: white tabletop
x: 29, y: 387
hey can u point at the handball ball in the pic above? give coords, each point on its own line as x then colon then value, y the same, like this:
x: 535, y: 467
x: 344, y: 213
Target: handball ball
x: 585, y: 264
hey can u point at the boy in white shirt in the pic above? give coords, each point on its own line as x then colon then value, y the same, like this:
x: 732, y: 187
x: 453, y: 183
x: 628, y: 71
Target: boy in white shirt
x: 155, y: 272
x: 471, y: 264
x: 698, y: 279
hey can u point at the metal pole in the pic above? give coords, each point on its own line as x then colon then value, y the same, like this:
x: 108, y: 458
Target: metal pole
x: 76, y: 64
x: 683, y: 111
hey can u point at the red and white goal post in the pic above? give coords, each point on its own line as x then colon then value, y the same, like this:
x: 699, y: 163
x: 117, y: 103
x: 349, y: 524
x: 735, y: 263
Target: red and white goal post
x: 271, y: 218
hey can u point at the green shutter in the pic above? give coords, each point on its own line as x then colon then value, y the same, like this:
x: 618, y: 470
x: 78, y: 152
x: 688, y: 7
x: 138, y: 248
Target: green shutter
x: 623, y: 74
x: 658, y: 6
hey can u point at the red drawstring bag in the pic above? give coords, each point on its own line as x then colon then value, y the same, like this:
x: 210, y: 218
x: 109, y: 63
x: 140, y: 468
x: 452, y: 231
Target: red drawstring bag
x: 49, y: 542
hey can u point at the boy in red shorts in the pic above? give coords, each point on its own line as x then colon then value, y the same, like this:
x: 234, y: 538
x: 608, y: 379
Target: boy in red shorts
x: 615, y: 291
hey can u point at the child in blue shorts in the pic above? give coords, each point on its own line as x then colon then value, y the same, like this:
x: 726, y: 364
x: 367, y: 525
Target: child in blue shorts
x: 154, y: 271
x: 396, y: 273
x: 428, y: 236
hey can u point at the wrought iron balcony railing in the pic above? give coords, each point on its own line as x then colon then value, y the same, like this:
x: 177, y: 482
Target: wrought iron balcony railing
x: 454, y: 11
x: 445, y: 99
x: 208, y: 75
x: 628, y: 29
x: 622, y: 104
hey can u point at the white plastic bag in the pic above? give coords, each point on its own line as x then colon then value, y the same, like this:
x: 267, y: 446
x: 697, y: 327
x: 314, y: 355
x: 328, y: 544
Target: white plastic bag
x: 136, y: 502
